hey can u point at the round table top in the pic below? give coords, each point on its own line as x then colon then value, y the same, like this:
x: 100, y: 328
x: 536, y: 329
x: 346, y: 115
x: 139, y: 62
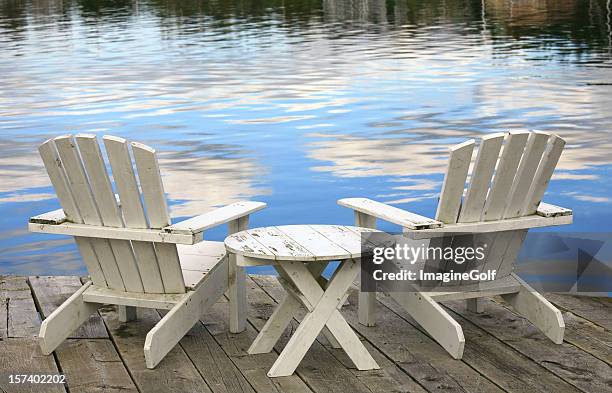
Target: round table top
x: 298, y: 242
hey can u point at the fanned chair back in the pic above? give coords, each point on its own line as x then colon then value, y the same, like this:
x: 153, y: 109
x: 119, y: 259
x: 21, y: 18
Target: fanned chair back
x: 81, y: 181
x: 508, y: 179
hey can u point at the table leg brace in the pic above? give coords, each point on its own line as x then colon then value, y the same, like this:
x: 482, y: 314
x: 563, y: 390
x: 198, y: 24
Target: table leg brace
x: 282, y: 316
x: 323, y: 307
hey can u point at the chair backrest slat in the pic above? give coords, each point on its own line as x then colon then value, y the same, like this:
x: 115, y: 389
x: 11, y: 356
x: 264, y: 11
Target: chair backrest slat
x: 109, y: 210
x: 524, y: 175
x: 53, y: 165
x: 504, y: 175
x: 83, y: 197
x: 157, y: 211
x: 133, y: 211
x: 77, y: 180
x: 543, y: 174
x: 476, y: 194
x: 454, y: 182
x: 99, y: 180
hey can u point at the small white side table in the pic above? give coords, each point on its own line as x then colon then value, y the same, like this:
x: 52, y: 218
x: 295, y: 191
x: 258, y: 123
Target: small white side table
x: 300, y: 253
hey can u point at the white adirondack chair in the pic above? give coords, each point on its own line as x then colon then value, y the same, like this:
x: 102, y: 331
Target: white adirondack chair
x: 134, y: 255
x: 501, y: 202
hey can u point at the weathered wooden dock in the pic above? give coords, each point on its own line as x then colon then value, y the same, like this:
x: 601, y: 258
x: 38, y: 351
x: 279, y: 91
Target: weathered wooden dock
x: 503, y: 351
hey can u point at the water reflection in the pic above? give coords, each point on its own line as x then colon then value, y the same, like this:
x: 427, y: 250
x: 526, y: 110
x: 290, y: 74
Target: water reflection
x: 199, y: 182
x: 298, y: 103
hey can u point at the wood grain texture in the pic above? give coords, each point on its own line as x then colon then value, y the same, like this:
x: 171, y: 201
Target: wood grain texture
x: 23, y: 356
x: 253, y: 367
x: 157, y: 212
x: 504, y: 352
x: 566, y: 361
x: 78, y: 183
x: 108, y: 208
x: 53, y: 165
x: 176, y: 374
x: 215, y: 217
x: 480, y: 179
x: 517, y: 197
x: 133, y: 211
x: 213, y: 363
x: 585, y: 307
x: 389, y: 213
x: 454, y: 182
x: 505, y: 172
x: 93, y: 366
x: 22, y: 318
x: 295, y: 242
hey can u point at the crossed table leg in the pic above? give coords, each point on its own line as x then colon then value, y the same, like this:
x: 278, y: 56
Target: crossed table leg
x: 322, y: 306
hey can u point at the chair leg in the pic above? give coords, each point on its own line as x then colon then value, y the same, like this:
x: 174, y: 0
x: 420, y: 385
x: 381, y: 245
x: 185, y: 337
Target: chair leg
x: 367, y: 308
x: 432, y: 317
x: 127, y: 313
x: 236, y: 293
x: 180, y: 319
x: 539, y: 311
x: 475, y: 305
x: 65, y: 320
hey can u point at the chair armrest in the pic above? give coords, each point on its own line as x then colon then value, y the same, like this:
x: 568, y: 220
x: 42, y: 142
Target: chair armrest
x: 185, y: 232
x: 55, y: 222
x: 389, y: 213
x: 548, y: 210
x: 53, y: 217
x: 546, y: 215
x: 222, y: 215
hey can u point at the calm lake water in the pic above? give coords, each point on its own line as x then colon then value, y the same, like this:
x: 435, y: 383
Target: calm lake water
x: 298, y: 103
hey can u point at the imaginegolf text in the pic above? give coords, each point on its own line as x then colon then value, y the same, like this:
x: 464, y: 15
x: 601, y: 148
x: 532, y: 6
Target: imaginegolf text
x: 406, y: 275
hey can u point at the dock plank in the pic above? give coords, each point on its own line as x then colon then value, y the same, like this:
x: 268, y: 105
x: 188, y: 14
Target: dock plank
x: 23, y: 319
x: 23, y: 356
x: 589, y: 337
x: 176, y: 373
x: 588, y: 308
x: 3, y: 317
x: 253, y: 367
x: 390, y: 377
x: 92, y: 366
x: 565, y: 361
x: 51, y: 291
x: 214, y: 365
